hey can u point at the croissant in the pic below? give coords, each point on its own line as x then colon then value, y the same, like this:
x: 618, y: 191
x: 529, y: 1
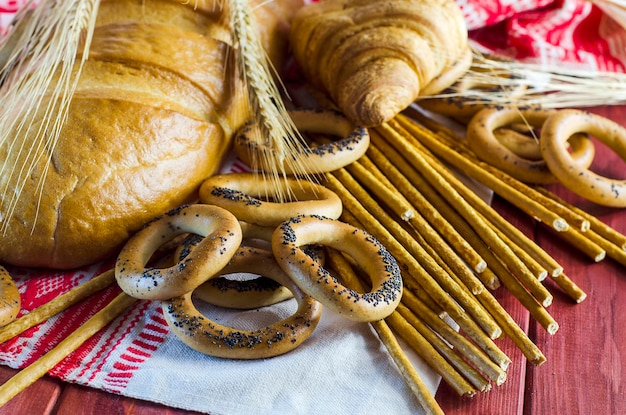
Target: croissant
x: 151, y: 118
x: 374, y: 58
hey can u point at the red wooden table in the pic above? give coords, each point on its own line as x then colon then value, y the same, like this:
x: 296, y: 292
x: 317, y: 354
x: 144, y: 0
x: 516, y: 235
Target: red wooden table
x: 586, y: 358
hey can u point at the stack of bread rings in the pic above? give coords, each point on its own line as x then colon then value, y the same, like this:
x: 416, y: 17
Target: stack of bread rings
x: 562, y: 151
x: 238, y: 228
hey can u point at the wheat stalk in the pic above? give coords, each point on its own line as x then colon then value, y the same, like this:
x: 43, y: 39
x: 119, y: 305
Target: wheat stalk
x: 38, y: 72
x: 276, y: 129
x: 496, y: 81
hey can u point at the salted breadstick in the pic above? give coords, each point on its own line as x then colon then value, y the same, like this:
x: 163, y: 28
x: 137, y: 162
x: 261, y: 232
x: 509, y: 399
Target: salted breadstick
x: 425, y: 206
x: 41, y: 366
x: 420, y: 275
x: 470, y: 215
x: 452, y: 289
x: 596, y: 224
x: 420, y: 224
x: 57, y: 305
x: 340, y: 264
x: 474, y: 354
x: 405, y: 317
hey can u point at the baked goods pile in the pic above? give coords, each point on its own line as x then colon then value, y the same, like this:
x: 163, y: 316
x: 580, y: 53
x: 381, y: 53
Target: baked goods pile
x: 154, y: 114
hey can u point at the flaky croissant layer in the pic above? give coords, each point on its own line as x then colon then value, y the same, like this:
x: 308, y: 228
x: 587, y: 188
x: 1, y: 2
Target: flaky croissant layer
x: 374, y: 58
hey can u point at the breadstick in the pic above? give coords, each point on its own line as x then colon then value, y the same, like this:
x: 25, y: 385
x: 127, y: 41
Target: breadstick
x: 41, y: 366
x: 549, y: 205
x: 476, y: 169
x: 525, y: 298
x: 534, y: 267
x: 490, y: 279
x: 404, y: 316
x: 473, y: 218
x: 410, y: 284
x: 570, y: 288
x: 583, y: 243
x: 431, y: 212
x: 423, y: 348
x: 420, y: 224
x: 513, y: 233
x: 596, y: 224
x: 612, y: 250
x: 463, y: 346
x: 373, y: 169
x: 423, y: 278
x: 448, y: 284
x: 421, y: 392
x: 512, y: 329
x: 444, y: 217
x: 56, y: 305
x: 341, y: 265
x: 386, y: 192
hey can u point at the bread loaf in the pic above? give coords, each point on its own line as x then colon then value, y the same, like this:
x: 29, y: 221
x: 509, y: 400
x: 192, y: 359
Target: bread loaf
x: 151, y: 118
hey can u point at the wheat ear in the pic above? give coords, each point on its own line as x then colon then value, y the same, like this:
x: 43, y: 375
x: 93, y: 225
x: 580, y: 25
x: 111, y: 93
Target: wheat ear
x: 275, y: 128
x: 504, y: 82
x: 38, y: 72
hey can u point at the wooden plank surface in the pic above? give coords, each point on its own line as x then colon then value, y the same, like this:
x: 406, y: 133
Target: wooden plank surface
x: 586, y: 358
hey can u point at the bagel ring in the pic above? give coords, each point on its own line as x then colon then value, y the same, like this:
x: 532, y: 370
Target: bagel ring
x: 206, y: 336
x: 580, y: 180
x: 316, y: 281
x: 10, y: 295
x: 516, y: 139
x: 481, y: 139
x: 244, y: 294
x: 319, y: 159
x: 222, y: 234
x: 240, y: 193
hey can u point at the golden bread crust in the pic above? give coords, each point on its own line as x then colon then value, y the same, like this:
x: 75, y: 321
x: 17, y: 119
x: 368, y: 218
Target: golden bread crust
x: 152, y: 117
x: 102, y: 184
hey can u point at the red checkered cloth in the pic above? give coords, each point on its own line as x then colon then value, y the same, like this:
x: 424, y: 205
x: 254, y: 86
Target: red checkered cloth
x: 343, y: 362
